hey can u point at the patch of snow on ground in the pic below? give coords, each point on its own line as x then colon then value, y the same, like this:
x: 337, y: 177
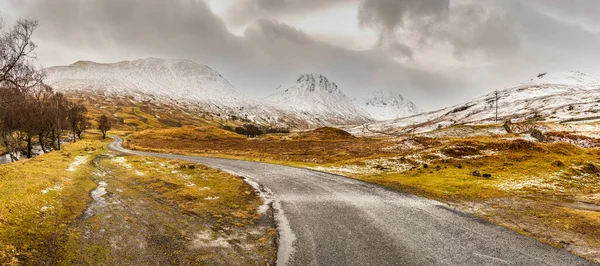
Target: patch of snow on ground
x: 79, y: 160
x: 122, y: 162
x: 212, y: 198
x: 45, y: 209
x: 205, y: 239
x: 54, y: 188
x: 532, y: 182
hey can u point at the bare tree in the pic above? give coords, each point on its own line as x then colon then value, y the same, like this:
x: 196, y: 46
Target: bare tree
x: 103, y: 125
x: 18, y: 75
x: 78, y: 122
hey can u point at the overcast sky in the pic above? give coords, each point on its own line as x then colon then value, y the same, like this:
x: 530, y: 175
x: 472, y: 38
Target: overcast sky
x: 435, y: 52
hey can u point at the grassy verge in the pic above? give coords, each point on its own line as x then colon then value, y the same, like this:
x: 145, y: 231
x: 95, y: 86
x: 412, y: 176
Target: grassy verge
x: 546, y: 190
x: 41, y: 197
x: 159, y: 212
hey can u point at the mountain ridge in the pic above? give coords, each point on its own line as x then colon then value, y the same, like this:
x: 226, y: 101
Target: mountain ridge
x: 553, y: 97
x: 189, y: 85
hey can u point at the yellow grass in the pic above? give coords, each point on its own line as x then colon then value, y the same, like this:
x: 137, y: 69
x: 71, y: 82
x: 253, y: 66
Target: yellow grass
x: 39, y: 198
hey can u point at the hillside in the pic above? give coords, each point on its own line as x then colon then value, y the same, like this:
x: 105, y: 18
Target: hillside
x: 385, y: 105
x: 556, y: 97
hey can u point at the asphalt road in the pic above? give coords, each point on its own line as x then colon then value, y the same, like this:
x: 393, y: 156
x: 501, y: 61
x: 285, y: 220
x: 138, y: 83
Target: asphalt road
x: 325, y: 219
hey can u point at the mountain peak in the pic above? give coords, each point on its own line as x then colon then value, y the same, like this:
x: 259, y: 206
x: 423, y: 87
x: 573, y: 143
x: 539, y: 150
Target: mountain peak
x: 312, y: 81
x: 386, y: 105
x: 315, y: 96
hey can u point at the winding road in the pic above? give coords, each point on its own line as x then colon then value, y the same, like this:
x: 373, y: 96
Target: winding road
x: 325, y: 219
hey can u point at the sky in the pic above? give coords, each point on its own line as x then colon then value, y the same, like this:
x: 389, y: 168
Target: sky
x: 436, y: 53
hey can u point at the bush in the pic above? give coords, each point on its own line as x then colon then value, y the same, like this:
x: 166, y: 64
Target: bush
x: 273, y: 130
x: 507, y: 126
x: 537, y: 134
x: 241, y: 131
x: 252, y: 130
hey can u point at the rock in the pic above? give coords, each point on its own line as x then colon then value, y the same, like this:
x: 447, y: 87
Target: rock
x: 182, y: 166
x: 192, y: 166
x: 558, y: 163
x: 476, y: 173
x: 487, y: 175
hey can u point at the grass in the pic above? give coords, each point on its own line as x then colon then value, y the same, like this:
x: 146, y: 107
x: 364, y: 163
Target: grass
x: 320, y: 146
x: 132, y: 114
x: 520, y: 172
x: 179, y: 202
x: 204, y: 191
x: 42, y: 200
x: 39, y: 198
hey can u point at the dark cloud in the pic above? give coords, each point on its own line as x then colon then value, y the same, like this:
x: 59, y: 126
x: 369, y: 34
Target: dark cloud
x: 249, y: 10
x: 413, y: 24
x: 516, y: 39
x: 391, y: 14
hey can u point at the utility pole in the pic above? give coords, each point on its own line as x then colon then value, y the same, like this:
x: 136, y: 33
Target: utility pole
x: 496, y: 106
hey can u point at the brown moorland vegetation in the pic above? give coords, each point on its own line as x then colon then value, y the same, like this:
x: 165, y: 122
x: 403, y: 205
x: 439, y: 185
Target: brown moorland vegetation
x: 547, y: 190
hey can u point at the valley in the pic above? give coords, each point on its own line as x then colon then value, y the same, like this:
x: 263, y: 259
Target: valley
x: 533, y: 170
x: 295, y: 133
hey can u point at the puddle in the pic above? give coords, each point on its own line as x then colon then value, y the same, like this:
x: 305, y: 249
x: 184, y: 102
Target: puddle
x: 98, y: 200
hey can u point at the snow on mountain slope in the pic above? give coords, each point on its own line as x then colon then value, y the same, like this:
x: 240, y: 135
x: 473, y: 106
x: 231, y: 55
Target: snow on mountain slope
x: 313, y: 96
x: 574, y: 78
x: 555, y: 97
x: 386, y: 105
x: 186, y: 85
x: 166, y: 79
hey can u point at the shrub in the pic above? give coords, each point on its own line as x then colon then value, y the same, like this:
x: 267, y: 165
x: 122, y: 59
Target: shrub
x: 537, y: 134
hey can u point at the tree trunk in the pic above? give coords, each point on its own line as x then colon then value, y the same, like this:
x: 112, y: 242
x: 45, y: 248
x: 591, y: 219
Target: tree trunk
x: 74, y: 135
x: 41, y: 137
x: 58, y: 140
x: 13, y: 157
x: 53, y: 139
x: 29, y: 146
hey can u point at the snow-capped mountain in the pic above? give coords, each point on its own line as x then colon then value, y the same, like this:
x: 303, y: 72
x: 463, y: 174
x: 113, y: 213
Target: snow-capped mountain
x: 313, y: 96
x: 166, y: 79
x: 553, y: 97
x: 186, y: 85
x: 386, y: 105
